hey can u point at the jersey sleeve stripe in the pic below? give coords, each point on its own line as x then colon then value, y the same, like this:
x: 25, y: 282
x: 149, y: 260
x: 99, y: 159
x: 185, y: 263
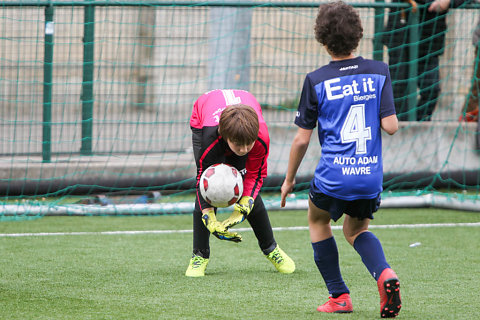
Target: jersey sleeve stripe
x: 259, y: 179
x: 205, y: 153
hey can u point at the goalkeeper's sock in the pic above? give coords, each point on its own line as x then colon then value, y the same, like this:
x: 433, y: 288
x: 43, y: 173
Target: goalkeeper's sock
x: 370, y: 250
x: 269, y: 248
x: 325, y: 254
x: 204, y: 253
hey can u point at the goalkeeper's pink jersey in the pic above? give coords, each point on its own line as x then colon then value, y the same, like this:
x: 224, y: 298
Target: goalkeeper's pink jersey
x: 204, y: 123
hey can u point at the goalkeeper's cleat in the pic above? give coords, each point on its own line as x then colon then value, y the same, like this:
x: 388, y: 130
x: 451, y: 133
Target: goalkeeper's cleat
x: 282, y: 262
x: 389, y: 289
x: 197, y: 266
x: 341, y: 304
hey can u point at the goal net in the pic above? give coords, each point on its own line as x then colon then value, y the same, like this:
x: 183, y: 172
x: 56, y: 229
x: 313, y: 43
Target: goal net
x: 96, y: 101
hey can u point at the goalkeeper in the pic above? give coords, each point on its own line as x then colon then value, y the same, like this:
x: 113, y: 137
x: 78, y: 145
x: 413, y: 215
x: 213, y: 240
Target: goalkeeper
x: 228, y: 127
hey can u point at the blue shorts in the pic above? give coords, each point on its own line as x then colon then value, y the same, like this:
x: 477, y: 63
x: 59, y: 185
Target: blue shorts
x: 361, y: 208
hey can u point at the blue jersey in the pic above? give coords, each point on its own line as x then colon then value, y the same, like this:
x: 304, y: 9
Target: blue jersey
x: 348, y: 99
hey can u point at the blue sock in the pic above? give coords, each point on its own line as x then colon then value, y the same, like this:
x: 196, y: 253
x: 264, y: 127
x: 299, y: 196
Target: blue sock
x: 370, y: 249
x: 325, y: 254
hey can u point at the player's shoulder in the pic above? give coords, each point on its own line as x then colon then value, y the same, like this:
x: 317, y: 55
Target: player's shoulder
x: 319, y: 71
x: 375, y: 65
x: 201, y: 99
x: 245, y: 96
x: 319, y: 75
x: 347, y: 67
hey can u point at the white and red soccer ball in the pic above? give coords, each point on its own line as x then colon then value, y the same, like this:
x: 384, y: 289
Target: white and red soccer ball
x: 221, y: 185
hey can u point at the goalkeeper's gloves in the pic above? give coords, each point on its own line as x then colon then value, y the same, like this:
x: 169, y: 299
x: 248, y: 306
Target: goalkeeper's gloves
x: 217, y: 228
x: 241, y: 210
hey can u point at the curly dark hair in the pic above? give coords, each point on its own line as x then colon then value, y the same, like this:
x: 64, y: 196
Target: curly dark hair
x: 338, y: 27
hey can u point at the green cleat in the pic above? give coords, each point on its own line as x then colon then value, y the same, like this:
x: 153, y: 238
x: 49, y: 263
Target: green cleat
x: 282, y: 262
x: 197, y: 266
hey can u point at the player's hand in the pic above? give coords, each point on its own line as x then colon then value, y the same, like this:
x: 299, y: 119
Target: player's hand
x: 217, y: 228
x: 414, y: 5
x: 287, y: 187
x: 439, y: 6
x: 241, y: 210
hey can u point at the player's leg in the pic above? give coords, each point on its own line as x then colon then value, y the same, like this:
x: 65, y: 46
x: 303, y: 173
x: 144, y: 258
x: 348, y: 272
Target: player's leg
x: 429, y: 85
x: 398, y: 65
x: 475, y: 98
x: 325, y: 255
x: 476, y: 85
x: 201, y: 245
x: 471, y: 101
x: 470, y: 111
x: 368, y: 246
x: 477, y: 137
x: 260, y: 223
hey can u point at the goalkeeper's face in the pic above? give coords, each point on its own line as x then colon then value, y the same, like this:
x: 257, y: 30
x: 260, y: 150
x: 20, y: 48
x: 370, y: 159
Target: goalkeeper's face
x: 240, y: 149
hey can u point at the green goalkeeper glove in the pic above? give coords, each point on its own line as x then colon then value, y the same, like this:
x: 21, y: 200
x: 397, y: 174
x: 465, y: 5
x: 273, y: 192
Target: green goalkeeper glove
x: 217, y: 228
x: 241, y: 210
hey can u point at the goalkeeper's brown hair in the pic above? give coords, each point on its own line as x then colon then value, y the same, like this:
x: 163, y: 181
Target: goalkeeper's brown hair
x: 239, y: 124
x: 338, y: 27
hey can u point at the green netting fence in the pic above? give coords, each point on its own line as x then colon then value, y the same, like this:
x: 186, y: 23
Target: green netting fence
x: 96, y: 98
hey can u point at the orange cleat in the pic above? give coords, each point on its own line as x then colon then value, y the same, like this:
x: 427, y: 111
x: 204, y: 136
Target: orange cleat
x: 389, y: 289
x: 342, y: 304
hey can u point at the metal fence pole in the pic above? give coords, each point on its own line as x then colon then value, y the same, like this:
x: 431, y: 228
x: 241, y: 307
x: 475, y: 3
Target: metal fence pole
x: 378, y: 32
x: 47, y: 85
x: 413, y: 65
x: 87, y: 82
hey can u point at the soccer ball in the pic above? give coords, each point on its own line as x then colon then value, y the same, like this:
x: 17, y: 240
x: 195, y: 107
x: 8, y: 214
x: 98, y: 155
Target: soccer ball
x: 221, y: 185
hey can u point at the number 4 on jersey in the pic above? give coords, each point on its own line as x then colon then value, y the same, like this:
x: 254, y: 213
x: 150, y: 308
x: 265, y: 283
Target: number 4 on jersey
x: 355, y: 130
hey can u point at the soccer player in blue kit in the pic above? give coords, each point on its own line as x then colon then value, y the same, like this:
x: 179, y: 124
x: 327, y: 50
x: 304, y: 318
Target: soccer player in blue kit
x: 351, y: 100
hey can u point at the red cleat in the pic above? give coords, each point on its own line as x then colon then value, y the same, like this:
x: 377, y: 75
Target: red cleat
x: 342, y: 304
x: 389, y: 289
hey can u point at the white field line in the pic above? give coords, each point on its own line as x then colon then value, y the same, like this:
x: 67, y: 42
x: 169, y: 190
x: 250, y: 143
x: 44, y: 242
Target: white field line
x: 301, y: 228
